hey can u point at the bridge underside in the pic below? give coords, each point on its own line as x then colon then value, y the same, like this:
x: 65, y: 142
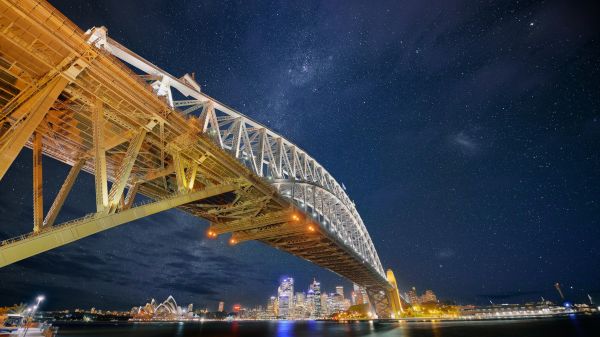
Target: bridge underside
x: 70, y: 100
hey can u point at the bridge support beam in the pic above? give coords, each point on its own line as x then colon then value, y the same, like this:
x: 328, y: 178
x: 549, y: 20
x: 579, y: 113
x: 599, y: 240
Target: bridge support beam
x: 180, y: 172
x: 26, y: 119
x: 271, y: 231
x: 251, y: 223
x: 100, y: 175
x: 124, y: 171
x: 38, y: 197
x: 190, y: 176
x: 62, y: 194
x: 33, y: 244
x: 379, y: 300
x: 130, y: 197
x: 386, y: 300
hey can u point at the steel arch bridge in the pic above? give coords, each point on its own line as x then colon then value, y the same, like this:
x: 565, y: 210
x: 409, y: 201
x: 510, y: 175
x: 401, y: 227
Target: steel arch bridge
x: 89, y: 102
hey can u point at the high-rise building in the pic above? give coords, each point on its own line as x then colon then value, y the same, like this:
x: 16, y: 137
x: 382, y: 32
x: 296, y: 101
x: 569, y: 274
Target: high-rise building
x: 336, y: 303
x: 324, y: 306
x: 428, y: 297
x: 339, y: 290
x: 413, y: 297
x: 221, y: 306
x: 365, y: 297
x: 285, y: 295
x: 300, y: 298
x: 316, y: 288
x: 332, y: 303
x: 300, y: 306
x: 361, y: 295
x: 310, y: 303
x: 272, y: 308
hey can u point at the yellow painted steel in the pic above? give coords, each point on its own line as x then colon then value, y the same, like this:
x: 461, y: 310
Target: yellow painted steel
x: 72, y: 231
x: 38, y: 197
x: 31, y: 113
x: 124, y: 171
x: 394, y: 295
x: 62, y: 194
x: 100, y: 175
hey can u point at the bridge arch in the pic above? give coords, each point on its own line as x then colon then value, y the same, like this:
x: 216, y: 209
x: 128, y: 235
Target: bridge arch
x: 74, y: 94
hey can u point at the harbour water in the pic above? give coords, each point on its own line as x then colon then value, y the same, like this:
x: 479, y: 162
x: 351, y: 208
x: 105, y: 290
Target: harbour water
x: 549, y: 327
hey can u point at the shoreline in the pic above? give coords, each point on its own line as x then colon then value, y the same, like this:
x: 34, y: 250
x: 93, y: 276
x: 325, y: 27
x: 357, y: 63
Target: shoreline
x: 376, y: 321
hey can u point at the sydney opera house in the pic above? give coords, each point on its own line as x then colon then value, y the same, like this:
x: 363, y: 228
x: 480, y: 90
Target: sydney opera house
x: 167, y: 310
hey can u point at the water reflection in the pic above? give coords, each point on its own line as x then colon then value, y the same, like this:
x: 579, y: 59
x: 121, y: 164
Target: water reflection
x: 179, y: 331
x: 560, y: 327
x: 235, y: 327
x: 436, y: 329
x: 284, y: 328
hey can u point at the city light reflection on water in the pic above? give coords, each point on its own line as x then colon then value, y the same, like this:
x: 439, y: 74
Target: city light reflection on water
x: 435, y: 328
x: 235, y: 327
x: 180, y: 330
x: 566, y: 326
x: 284, y: 328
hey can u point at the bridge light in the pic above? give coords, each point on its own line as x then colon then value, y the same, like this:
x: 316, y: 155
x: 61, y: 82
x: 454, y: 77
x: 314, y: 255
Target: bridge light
x: 311, y: 228
x: 232, y: 241
x: 295, y: 217
x: 211, y: 234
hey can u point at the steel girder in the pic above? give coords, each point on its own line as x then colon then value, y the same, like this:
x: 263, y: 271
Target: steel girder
x: 20, y: 248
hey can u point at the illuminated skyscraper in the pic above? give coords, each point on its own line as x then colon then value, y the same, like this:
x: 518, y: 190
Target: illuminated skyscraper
x: 300, y: 306
x: 221, y: 306
x: 340, y: 290
x: 365, y: 297
x: 310, y: 303
x: 316, y: 289
x: 361, y: 295
x: 413, y: 297
x: 285, y: 294
x: 324, y: 306
x: 272, y: 308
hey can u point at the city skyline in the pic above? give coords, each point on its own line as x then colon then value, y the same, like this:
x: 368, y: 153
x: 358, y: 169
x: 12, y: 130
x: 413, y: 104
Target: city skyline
x: 471, y: 158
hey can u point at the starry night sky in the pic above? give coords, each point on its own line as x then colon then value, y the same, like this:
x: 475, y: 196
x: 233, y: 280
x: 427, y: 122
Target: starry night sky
x: 467, y: 132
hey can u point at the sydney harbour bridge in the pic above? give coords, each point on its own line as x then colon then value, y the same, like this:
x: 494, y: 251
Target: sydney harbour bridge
x: 89, y: 102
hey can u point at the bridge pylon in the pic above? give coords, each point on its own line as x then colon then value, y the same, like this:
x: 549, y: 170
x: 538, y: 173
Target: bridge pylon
x: 394, y: 296
x: 385, y: 298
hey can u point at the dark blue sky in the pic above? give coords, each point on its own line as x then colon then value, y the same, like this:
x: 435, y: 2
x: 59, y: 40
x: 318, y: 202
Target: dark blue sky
x: 467, y: 132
